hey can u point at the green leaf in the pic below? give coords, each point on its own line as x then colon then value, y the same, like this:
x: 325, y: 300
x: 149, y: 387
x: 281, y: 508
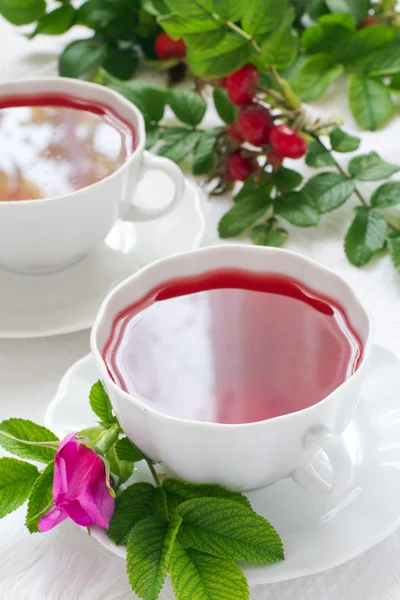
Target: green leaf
x: 383, y: 62
x: 178, y: 491
x: 95, y: 13
x: 22, y: 12
x: 280, y: 48
x: 319, y: 156
x: 202, y: 41
x: 204, y: 155
x: 181, y: 145
x: 27, y: 431
x: 295, y: 207
x: 178, y: 27
x: 286, y: 180
x: 199, y: 576
x: 243, y: 214
x: 40, y: 498
x: 316, y: 8
x: 92, y: 434
x: 256, y: 186
x: 153, y: 134
x: 370, y: 167
x: 394, y: 247
x: 358, y: 9
x: 101, y: 405
x: 16, y: 481
x: 357, y: 48
x: 81, y: 58
x: 149, y: 551
x: 126, y: 450
x: 122, y: 469
x: 366, y: 235
x: 395, y: 83
x: 159, y: 505
x: 370, y: 102
x: 230, y: 10
x: 265, y: 235
x: 386, y: 195
x: 155, y: 7
x: 56, y: 22
x: 149, y: 99
x: 344, y: 19
x: 328, y: 191
x: 121, y: 62
x: 262, y: 16
x: 229, y: 55
x: 188, y: 106
x: 342, y: 141
x: 224, y: 107
x: 315, y: 76
x: 229, y: 530
x: 134, y: 504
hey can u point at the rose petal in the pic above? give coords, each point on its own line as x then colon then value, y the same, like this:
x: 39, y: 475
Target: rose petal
x: 51, y: 519
x: 77, y: 513
x: 99, y: 503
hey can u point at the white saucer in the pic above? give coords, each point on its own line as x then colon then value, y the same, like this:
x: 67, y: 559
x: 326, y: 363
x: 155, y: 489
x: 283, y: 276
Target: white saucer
x: 43, y: 305
x: 318, y: 533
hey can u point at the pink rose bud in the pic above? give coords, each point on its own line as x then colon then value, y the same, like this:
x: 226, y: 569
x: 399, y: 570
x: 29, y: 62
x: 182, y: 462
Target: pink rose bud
x: 80, y: 491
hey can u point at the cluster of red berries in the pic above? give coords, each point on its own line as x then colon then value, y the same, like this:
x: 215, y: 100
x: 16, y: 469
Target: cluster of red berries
x: 254, y: 124
x: 165, y: 47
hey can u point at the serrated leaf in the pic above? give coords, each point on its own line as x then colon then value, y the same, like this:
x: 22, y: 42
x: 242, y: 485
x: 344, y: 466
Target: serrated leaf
x: 383, y: 62
x: 159, y: 505
x: 262, y: 16
x: 255, y: 186
x: 199, y: 576
x: 229, y: 530
x: 230, y: 10
x: 357, y: 48
x: 196, y: 9
x: 371, y: 167
x: 178, y: 27
x: 201, y: 41
x: 224, y: 107
x: 318, y: 156
x: 134, y: 504
x: 22, y: 12
x: 204, y: 155
x: 286, y: 180
x: 386, y: 195
x: 16, y: 481
x: 56, y: 22
x: 40, y: 498
x: 243, y: 214
x: 339, y: 18
x: 122, y: 469
x: 316, y: 8
x: 394, y: 247
x: 357, y: 8
x: 150, y: 99
x: 315, y: 75
x: 81, y: 58
x: 149, y: 551
x: 181, y: 146
x: 25, y: 430
x: 370, y: 102
x: 264, y: 235
x: 101, y: 405
x: 296, y: 208
x: 188, y: 106
x: 280, y: 48
x: 366, y: 235
x: 342, y: 141
x: 121, y: 62
x: 126, y: 450
x: 229, y: 55
x: 328, y: 191
x: 153, y: 134
x: 178, y: 491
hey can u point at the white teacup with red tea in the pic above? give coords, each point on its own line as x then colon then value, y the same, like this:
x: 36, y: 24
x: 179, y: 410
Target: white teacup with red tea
x: 236, y: 365
x: 71, y: 155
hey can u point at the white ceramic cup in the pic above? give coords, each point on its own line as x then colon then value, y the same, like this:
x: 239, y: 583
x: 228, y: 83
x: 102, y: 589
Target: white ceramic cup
x: 243, y: 456
x: 42, y: 236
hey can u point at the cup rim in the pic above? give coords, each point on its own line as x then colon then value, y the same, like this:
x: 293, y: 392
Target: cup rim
x: 97, y: 354
x: 81, y: 84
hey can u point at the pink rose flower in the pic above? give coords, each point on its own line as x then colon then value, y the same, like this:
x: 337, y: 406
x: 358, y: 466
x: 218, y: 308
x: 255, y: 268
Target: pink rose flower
x: 79, y: 487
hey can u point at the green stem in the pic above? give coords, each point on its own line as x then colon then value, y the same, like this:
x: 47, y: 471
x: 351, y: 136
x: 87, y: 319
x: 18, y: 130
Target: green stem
x: 245, y: 35
x: 108, y: 439
x: 153, y: 472
x: 53, y: 445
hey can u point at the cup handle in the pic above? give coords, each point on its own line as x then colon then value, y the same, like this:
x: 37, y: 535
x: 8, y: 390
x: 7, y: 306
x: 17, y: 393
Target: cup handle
x: 339, y: 458
x: 157, y: 163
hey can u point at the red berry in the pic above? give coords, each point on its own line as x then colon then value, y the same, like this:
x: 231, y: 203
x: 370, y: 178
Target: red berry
x: 368, y: 21
x: 166, y: 47
x: 240, y: 167
x: 287, y: 142
x: 254, y: 123
x: 275, y: 159
x: 242, y: 85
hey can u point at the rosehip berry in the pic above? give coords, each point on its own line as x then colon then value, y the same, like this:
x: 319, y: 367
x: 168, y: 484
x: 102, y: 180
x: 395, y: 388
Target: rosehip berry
x: 242, y: 85
x: 287, y: 142
x: 254, y: 123
x: 166, y: 47
x: 240, y: 167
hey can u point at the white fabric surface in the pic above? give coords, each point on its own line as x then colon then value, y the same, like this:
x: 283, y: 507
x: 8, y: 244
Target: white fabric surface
x: 65, y: 563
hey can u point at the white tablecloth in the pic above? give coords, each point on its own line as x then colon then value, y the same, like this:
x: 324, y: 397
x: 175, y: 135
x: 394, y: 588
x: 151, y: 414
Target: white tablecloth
x: 65, y: 564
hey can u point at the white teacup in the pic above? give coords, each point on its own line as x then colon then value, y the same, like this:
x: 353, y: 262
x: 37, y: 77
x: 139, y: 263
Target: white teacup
x: 243, y: 456
x: 41, y: 236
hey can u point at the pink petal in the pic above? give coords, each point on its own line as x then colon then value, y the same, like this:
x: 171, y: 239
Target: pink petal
x: 51, y: 519
x: 77, y: 513
x: 60, y: 482
x: 98, y: 503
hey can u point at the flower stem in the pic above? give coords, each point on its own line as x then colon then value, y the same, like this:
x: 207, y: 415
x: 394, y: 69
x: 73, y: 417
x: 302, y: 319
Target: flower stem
x: 54, y: 445
x: 153, y: 472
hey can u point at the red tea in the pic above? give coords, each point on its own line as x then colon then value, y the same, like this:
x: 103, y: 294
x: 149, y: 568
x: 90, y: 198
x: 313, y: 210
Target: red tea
x: 52, y: 145
x: 232, y: 347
